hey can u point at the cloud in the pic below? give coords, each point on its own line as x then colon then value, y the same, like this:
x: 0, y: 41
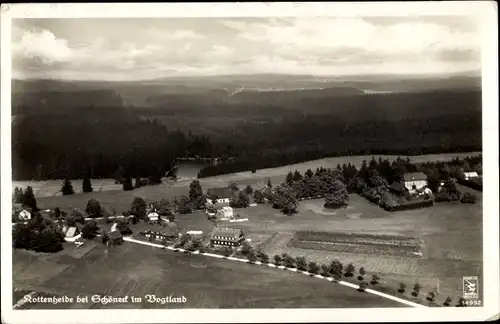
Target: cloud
x: 42, y: 45
x: 302, y: 45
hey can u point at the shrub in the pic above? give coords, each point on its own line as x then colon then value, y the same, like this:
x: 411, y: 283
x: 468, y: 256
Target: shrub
x: 336, y: 269
x: 402, y: 287
x: 468, y: 198
x: 349, y: 270
x: 447, y: 301
x: 90, y: 229
x: 252, y: 258
x: 70, y: 221
x: 362, y: 286
x: 227, y: 251
x: 325, y: 270
x: 362, y: 272
x: 124, y: 227
x: 313, y: 267
x: 277, y: 260
x: 375, y: 279
x: 264, y: 258
x: 288, y: 261
x: 301, y: 263
x: 416, y: 290
x: 431, y: 296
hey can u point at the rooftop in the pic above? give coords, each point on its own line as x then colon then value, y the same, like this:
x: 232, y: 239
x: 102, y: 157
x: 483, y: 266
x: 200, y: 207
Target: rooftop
x: 226, y: 233
x: 219, y: 193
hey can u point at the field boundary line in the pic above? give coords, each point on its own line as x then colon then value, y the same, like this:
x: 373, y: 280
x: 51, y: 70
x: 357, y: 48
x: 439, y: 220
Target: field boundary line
x: 270, y: 265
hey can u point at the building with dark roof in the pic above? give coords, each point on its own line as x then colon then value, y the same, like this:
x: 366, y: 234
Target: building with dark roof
x: 219, y: 195
x: 397, y: 187
x: 227, y: 236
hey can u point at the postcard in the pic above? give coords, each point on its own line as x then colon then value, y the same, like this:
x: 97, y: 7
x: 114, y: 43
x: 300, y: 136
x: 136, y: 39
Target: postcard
x: 249, y: 162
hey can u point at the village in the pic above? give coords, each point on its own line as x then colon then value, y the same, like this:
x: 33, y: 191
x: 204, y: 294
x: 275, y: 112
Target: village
x: 327, y: 215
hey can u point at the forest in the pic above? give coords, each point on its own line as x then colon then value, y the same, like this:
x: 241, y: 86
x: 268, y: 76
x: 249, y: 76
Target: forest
x: 77, y: 141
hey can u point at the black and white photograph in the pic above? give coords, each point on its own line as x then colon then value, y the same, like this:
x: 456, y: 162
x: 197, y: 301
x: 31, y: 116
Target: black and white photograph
x: 274, y: 161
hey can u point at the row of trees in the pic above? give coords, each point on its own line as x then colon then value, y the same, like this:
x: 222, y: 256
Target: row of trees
x: 335, y: 269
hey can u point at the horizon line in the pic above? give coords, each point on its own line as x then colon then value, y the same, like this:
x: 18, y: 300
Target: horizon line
x: 469, y: 73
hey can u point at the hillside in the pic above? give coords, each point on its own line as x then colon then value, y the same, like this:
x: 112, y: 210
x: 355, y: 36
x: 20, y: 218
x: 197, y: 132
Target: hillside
x: 89, y: 125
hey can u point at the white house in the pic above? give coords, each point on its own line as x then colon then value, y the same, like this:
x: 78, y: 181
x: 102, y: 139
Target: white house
x: 470, y: 175
x: 225, y: 212
x: 219, y: 195
x: 415, y: 181
x: 192, y: 232
x: 153, y: 217
x: 24, y: 215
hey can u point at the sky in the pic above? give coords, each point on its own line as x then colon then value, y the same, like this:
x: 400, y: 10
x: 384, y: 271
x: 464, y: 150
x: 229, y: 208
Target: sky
x: 147, y: 48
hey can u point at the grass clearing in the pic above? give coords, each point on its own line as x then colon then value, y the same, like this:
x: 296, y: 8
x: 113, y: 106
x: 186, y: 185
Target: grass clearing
x: 358, y: 243
x: 136, y: 270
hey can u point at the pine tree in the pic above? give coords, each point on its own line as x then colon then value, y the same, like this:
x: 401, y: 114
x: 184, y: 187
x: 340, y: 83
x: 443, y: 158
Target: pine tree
x: 249, y: 189
x: 285, y: 200
x: 337, y: 196
x: 18, y: 196
x: 86, y: 185
x: 138, y: 208
x: 309, y: 173
x: 127, y: 184
x: 67, y: 188
x: 137, y: 182
x: 196, y: 195
x: 289, y: 177
x: 93, y: 208
x: 269, y: 184
x: 258, y: 197
x: 29, y: 199
x: 297, y: 176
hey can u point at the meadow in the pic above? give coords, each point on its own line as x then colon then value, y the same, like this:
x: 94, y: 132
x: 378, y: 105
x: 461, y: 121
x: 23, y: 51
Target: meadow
x: 51, y: 188
x: 451, y: 235
x: 136, y: 270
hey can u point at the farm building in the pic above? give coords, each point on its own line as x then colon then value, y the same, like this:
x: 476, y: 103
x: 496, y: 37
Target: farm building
x: 115, y: 237
x: 470, y: 175
x: 24, y: 215
x: 167, y: 233
x: 397, y: 187
x: 415, y: 181
x: 153, y: 217
x: 219, y: 195
x: 71, y: 233
x: 225, y: 212
x: 227, y: 236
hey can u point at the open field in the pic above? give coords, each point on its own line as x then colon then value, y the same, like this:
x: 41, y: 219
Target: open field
x: 136, y: 270
x: 451, y: 235
x: 358, y: 243
x: 51, y: 188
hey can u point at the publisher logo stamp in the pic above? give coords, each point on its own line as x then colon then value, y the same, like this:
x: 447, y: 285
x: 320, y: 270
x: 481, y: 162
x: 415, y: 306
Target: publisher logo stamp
x: 471, y: 287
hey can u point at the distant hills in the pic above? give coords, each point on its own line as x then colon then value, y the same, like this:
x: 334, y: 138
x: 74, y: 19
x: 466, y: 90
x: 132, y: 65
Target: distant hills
x: 272, y: 89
